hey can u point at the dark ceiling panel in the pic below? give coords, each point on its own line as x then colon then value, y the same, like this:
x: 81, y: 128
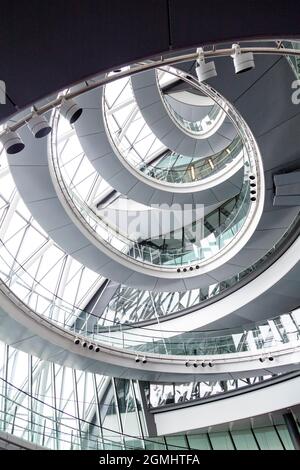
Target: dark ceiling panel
x: 50, y: 44
x: 195, y: 22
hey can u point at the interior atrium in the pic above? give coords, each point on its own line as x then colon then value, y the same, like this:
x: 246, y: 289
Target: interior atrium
x: 150, y: 253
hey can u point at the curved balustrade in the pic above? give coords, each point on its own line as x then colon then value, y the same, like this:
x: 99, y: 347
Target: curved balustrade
x: 159, y: 394
x: 28, y: 422
x: 274, y: 333
x: 130, y: 305
x: 16, y: 277
x: 180, y: 169
x: 205, y: 248
x: 23, y: 418
x: 130, y: 151
x: 204, y: 294
x: 203, y: 251
x: 292, y: 59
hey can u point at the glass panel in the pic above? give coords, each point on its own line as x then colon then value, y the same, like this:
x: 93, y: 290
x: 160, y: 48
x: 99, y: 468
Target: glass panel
x: 140, y: 407
x: 176, y: 442
x: 199, y: 441
x: 127, y: 407
x: 131, y: 444
x: 244, y: 440
x: 221, y: 441
x: 268, y: 439
x: 285, y: 437
x: 109, y: 416
x: 155, y: 443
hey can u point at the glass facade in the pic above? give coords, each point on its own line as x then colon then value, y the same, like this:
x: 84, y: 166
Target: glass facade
x: 58, y: 407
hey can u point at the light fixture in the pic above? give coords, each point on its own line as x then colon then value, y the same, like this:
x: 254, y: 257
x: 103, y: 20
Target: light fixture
x: 144, y: 360
x: 84, y: 344
x: 137, y: 359
x: 210, y: 364
x: 203, y: 364
x: 70, y: 110
x: 271, y: 358
x: 192, y: 168
x: 97, y: 348
x: 91, y: 347
x: 243, y: 61
x: 261, y: 359
x: 211, y: 163
x: 195, y: 364
x: 39, y: 125
x: 76, y: 341
x: 11, y: 142
x: 204, y: 70
x: 187, y: 364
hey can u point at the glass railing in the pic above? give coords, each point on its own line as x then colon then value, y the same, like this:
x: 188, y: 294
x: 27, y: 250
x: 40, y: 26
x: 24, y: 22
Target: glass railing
x: 169, y: 260
x: 44, y: 302
x: 201, y: 128
x: 178, y: 169
x: 27, y: 417
x: 32, y: 420
x: 212, y: 225
x: 273, y: 333
x: 294, y: 61
x: 198, y: 128
x: 144, y: 253
x: 205, y: 248
x: 178, y: 174
x: 29, y: 293
x: 162, y: 394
